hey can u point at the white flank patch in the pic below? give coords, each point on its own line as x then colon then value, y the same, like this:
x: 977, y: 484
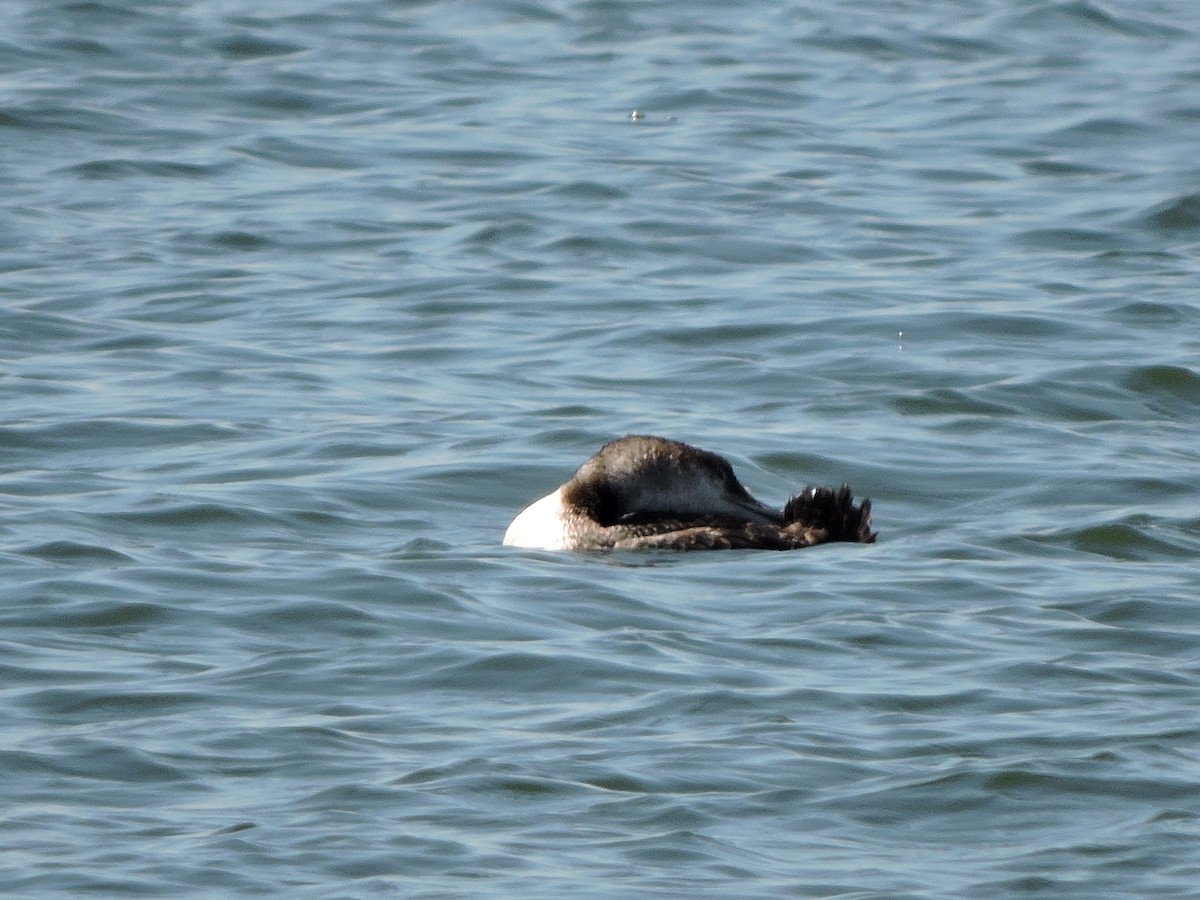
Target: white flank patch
x: 539, y: 526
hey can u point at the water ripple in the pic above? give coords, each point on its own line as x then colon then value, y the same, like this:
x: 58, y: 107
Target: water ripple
x: 302, y: 303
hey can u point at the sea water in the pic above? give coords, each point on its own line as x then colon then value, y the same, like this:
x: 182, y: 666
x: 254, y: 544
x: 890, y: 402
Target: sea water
x: 301, y: 302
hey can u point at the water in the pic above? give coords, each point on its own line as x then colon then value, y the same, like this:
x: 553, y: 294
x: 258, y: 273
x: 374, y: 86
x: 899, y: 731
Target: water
x: 302, y: 302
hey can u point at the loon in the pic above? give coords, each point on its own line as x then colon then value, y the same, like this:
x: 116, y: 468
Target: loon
x: 649, y: 492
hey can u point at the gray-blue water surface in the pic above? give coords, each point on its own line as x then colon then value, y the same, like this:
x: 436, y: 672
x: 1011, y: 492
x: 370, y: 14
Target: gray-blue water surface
x: 300, y: 302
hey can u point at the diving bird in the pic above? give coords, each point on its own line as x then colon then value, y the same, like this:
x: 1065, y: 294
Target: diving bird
x: 641, y: 491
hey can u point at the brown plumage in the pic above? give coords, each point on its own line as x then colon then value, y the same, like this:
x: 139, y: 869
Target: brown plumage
x: 645, y: 492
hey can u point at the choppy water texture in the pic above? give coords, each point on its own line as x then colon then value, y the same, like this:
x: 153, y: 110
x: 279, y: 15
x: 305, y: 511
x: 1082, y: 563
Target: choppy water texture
x: 302, y: 301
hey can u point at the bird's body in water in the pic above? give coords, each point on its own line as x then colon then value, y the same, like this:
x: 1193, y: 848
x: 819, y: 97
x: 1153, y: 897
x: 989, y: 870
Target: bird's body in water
x: 649, y: 492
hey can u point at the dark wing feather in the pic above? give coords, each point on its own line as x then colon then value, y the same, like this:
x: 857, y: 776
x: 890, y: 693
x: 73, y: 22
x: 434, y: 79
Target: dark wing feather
x: 833, y: 511
x: 709, y: 537
x: 814, y: 516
